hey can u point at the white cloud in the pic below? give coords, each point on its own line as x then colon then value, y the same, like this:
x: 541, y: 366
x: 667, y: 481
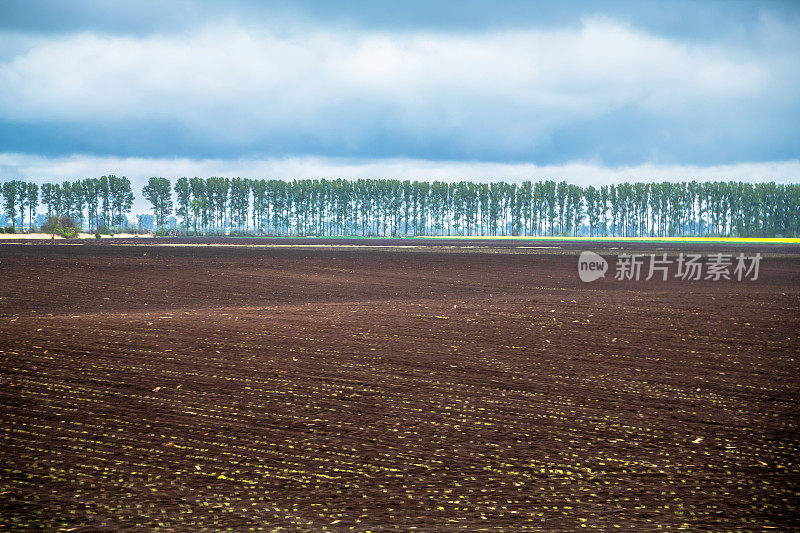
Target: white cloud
x: 232, y: 83
x: 43, y: 169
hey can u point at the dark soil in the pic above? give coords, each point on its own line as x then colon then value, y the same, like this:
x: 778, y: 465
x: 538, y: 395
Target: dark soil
x: 209, y: 387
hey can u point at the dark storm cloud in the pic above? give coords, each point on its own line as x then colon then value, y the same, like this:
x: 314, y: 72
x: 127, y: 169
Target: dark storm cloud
x: 621, y: 83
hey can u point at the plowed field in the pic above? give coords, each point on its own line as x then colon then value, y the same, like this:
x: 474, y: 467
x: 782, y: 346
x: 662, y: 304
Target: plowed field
x: 211, y: 387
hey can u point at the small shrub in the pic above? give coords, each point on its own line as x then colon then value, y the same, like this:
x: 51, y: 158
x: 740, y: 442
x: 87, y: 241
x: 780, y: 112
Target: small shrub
x: 2, y: 230
x: 11, y: 229
x: 69, y: 233
x: 53, y: 225
x: 163, y: 232
x: 65, y: 226
x: 97, y: 235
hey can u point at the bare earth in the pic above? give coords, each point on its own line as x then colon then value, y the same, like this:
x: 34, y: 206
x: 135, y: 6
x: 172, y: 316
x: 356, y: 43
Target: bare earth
x: 211, y: 387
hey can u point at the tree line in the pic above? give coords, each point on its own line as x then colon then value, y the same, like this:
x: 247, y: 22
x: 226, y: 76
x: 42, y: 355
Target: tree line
x: 379, y: 207
x: 382, y: 207
x: 93, y: 203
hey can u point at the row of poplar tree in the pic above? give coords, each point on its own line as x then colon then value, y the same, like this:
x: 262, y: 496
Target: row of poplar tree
x: 99, y: 202
x: 378, y: 207
x: 398, y: 208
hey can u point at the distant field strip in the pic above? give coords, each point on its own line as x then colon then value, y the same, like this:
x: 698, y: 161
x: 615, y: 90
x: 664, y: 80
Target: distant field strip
x: 623, y: 239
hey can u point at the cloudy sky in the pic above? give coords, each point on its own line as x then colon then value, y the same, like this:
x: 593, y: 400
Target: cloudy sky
x: 584, y: 91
